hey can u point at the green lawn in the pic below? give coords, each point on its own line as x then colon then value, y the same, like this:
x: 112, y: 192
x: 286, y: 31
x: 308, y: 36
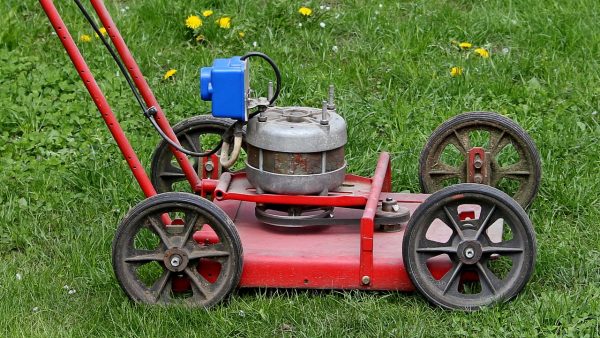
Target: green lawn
x: 64, y: 186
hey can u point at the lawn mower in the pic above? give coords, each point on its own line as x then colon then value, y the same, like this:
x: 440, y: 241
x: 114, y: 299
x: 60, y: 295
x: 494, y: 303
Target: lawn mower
x: 293, y: 217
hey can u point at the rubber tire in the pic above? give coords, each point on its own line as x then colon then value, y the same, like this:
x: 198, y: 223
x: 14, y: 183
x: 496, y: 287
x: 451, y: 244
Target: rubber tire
x: 187, y: 125
x: 469, y: 118
x: 456, y: 190
x: 195, y: 201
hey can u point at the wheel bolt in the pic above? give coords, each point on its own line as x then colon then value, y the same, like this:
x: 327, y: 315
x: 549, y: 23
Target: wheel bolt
x: 469, y: 253
x: 175, y: 260
x: 478, y: 178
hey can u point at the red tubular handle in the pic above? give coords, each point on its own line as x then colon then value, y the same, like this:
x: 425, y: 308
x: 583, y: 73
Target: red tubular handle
x: 99, y: 99
x: 145, y: 91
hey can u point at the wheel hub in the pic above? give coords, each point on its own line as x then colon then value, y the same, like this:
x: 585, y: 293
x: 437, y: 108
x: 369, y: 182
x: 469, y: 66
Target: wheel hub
x: 469, y: 252
x: 176, y: 260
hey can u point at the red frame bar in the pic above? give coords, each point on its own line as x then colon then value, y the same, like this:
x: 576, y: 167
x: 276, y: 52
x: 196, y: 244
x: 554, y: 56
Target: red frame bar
x: 381, y: 178
x: 145, y: 91
x: 243, y: 191
x: 99, y: 99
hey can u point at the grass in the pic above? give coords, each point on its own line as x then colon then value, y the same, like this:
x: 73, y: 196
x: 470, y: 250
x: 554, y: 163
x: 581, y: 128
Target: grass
x: 64, y: 186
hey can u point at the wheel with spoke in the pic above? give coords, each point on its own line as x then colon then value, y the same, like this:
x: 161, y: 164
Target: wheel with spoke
x: 200, y: 134
x: 469, y: 246
x: 509, y: 159
x: 196, y: 259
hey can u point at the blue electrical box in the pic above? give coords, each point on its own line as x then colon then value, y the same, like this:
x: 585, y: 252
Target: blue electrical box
x: 226, y: 85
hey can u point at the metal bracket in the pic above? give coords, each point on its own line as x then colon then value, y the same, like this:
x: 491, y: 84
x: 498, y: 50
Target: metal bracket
x: 478, y: 166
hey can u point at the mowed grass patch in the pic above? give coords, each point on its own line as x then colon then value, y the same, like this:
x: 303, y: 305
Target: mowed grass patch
x: 64, y: 186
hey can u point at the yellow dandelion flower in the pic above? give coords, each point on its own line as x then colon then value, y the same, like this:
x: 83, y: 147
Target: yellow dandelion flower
x: 193, y: 22
x: 85, y: 38
x: 241, y: 34
x: 456, y: 71
x: 465, y: 45
x: 102, y: 31
x: 224, y: 22
x: 169, y: 73
x: 305, y: 11
x: 207, y: 13
x: 482, y: 52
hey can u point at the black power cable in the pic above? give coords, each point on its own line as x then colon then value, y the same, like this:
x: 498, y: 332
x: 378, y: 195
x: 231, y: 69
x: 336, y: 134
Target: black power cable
x: 275, y: 69
x: 148, y: 112
x: 113, y: 54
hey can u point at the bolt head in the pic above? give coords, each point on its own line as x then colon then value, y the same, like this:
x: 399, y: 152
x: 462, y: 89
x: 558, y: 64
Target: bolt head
x: 366, y: 280
x: 209, y: 166
x: 175, y: 261
x: 469, y: 253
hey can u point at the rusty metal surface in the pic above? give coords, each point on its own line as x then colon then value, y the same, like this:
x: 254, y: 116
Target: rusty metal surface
x: 502, y: 132
x: 312, y: 184
x: 296, y: 163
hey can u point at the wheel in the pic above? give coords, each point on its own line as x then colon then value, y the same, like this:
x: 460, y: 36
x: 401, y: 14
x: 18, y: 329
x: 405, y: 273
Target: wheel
x: 469, y: 246
x: 512, y: 161
x: 196, y: 260
x: 199, y: 133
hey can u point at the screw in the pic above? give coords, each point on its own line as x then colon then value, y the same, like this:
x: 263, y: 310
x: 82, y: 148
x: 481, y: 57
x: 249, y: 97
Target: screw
x: 478, y: 178
x: 365, y: 280
x: 270, y: 95
x: 469, y: 253
x: 331, y: 104
x: 324, y: 114
x: 175, y: 260
x: 209, y: 166
x: 478, y: 163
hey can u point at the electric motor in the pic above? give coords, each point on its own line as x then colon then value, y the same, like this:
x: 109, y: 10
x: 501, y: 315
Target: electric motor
x: 296, y: 150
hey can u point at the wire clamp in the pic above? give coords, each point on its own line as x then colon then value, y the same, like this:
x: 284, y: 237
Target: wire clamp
x: 150, y: 112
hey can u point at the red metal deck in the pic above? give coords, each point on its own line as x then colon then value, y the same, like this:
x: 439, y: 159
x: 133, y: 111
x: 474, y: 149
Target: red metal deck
x: 321, y: 258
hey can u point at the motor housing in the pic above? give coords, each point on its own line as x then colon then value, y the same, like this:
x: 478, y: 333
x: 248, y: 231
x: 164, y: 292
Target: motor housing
x: 296, y: 150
